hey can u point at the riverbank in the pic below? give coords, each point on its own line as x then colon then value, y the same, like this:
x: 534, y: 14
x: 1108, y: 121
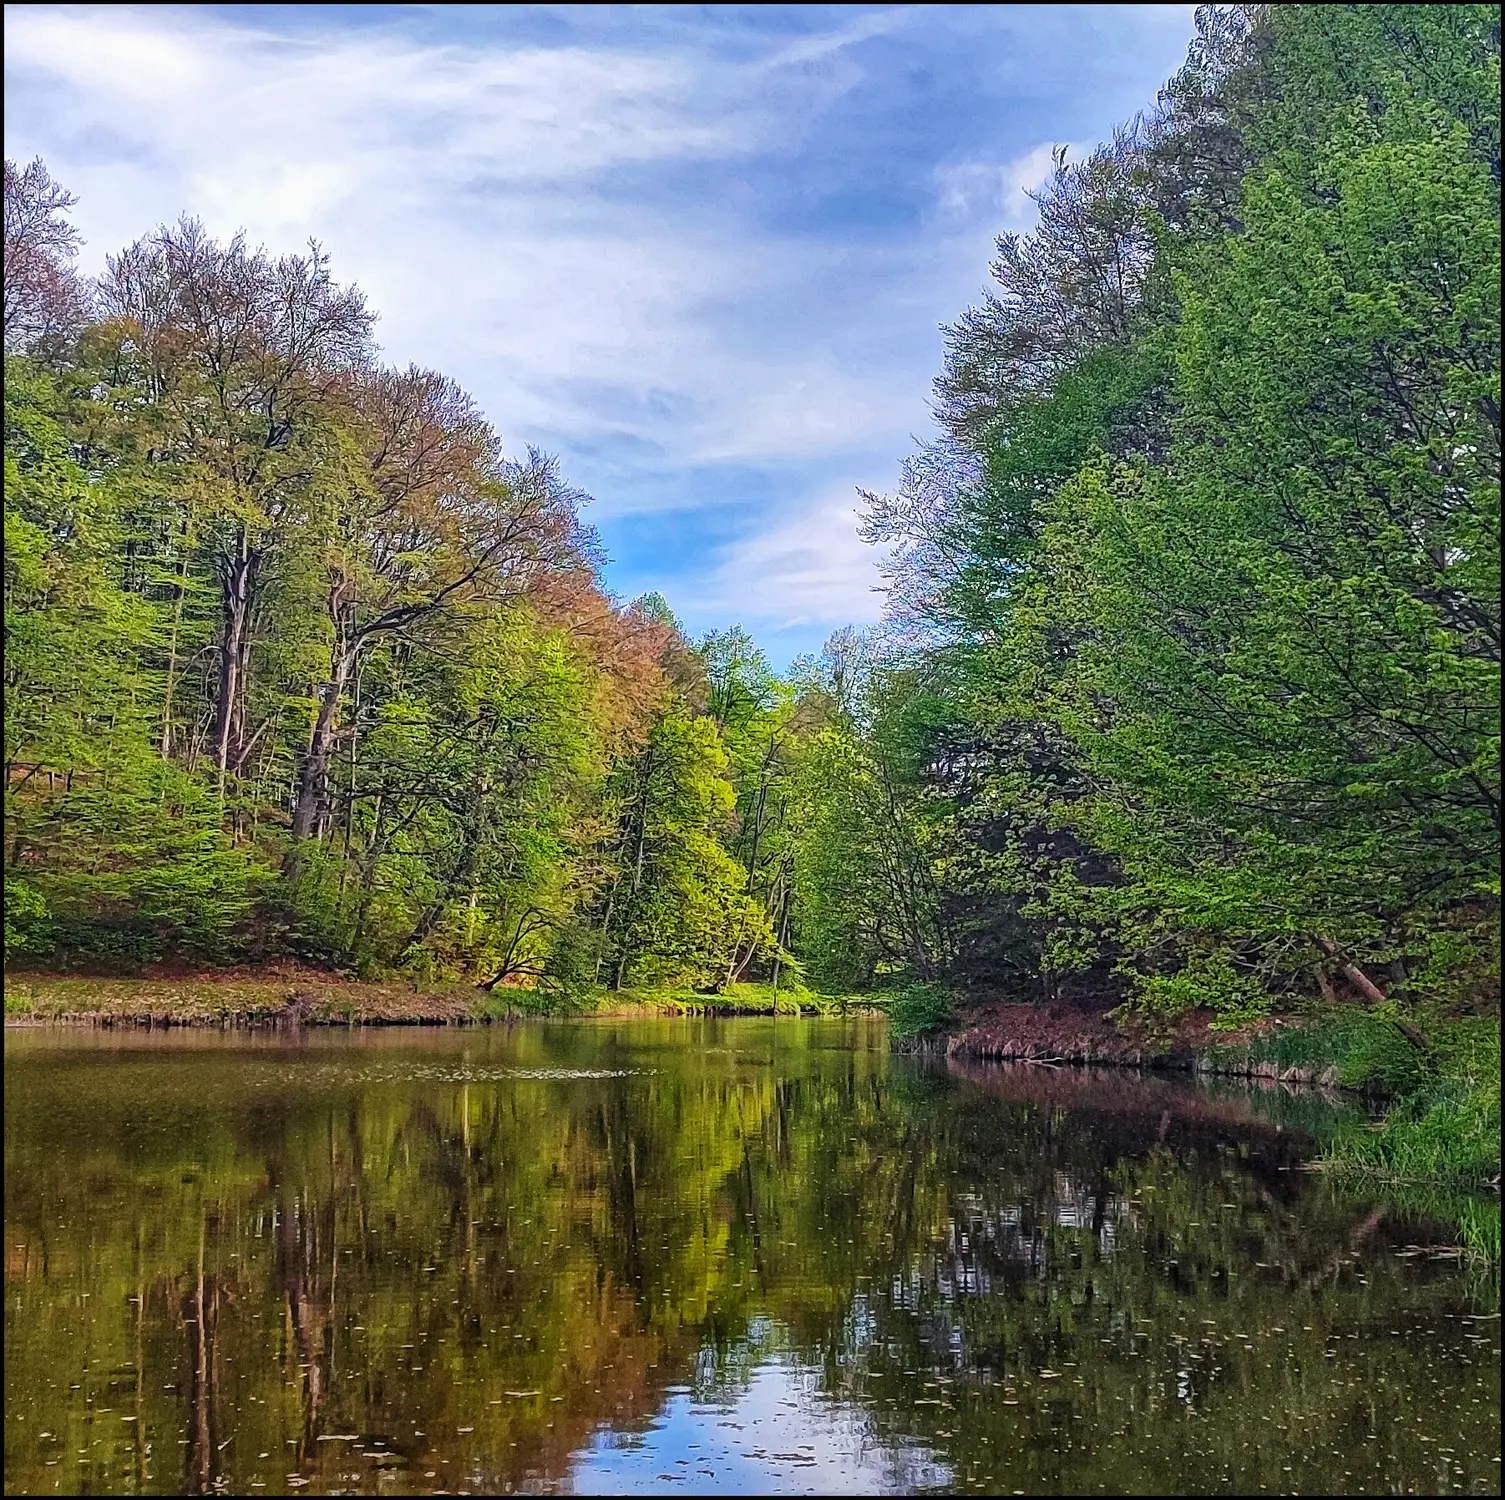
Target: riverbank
x: 1437, y: 1075
x: 1072, y: 1034
x: 294, y: 996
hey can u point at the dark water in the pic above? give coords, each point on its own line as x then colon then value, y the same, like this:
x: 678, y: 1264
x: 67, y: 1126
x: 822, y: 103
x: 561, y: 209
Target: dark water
x: 701, y: 1256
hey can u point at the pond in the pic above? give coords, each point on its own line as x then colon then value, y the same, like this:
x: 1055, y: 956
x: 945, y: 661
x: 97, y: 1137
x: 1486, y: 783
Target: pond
x: 706, y: 1256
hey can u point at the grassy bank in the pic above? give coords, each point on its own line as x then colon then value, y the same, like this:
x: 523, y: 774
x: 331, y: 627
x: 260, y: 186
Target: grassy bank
x: 313, y: 998
x: 1442, y: 1122
x: 667, y: 1000
x: 234, y: 998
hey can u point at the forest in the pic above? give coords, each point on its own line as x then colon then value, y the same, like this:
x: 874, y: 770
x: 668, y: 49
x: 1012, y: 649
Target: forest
x: 1187, y: 693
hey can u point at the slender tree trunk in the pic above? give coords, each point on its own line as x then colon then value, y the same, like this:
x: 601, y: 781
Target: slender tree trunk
x: 313, y: 781
x: 235, y: 589
x: 1373, y: 993
x: 783, y: 936
x: 172, y: 655
x: 465, y: 870
x: 611, y: 903
x: 368, y: 869
x: 355, y: 718
x: 759, y: 813
x: 1355, y: 975
x: 637, y: 870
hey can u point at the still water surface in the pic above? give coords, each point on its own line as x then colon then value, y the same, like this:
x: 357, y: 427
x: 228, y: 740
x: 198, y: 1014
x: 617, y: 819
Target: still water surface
x: 704, y: 1257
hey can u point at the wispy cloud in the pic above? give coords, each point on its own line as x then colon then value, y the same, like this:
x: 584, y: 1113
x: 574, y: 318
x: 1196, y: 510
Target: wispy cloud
x: 826, y: 44
x: 809, y: 569
x: 1002, y: 192
x: 684, y: 248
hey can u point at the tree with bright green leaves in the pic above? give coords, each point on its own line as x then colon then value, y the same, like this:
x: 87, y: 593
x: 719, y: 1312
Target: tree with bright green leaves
x: 1188, y: 690
x: 1288, y: 682
x: 101, y: 832
x: 676, y: 910
x: 1205, y: 569
x: 299, y: 663
x: 864, y: 844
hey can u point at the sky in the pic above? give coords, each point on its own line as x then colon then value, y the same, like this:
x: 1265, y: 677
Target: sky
x: 805, y: 1443
x: 703, y: 253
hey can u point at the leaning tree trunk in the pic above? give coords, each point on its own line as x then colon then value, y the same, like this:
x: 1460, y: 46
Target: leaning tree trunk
x: 314, y: 776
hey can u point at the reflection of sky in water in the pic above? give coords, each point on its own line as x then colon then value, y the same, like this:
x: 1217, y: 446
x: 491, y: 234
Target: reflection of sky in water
x: 775, y: 1435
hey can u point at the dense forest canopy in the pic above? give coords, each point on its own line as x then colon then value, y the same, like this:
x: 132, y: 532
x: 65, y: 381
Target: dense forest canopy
x: 1188, y: 693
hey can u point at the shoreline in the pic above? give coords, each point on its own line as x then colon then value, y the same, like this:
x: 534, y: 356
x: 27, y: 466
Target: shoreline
x: 291, y: 997
x: 287, y: 998
x: 1064, y: 1035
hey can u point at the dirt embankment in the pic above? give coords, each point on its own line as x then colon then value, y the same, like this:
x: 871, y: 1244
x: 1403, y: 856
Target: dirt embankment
x: 233, y: 997
x: 1063, y: 1033
x: 298, y: 995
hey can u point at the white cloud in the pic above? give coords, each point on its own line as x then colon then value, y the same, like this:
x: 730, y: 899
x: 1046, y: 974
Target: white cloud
x: 564, y: 230
x: 222, y: 96
x: 992, y: 189
x: 809, y: 568
x: 440, y: 180
x: 864, y: 27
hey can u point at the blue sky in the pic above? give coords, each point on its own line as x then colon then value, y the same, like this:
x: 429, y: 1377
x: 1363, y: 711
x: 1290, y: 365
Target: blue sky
x: 701, y: 252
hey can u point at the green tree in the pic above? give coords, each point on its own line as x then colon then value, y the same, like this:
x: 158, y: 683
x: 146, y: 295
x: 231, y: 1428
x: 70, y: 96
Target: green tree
x: 677, y: 910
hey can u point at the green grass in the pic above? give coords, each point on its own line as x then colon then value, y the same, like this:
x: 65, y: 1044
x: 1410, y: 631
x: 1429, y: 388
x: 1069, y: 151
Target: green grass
x: 218, y: 999
x: 667, y: 1000
x: 1445, y: 1126
x: 1479, y: 1229
x: 1443, y: 1120
x: 1449, y: 1131
x: 232, y: 998
x: 1355, y: 1048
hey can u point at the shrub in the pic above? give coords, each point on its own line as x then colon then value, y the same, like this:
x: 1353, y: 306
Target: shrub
x: 26, y: 927
x: 919, y: 1010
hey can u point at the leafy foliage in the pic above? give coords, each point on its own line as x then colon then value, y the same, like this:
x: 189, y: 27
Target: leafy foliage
x: 1188, y: 694
x: 1205, y: 572
x: 917, y: 1010
x: 299, y: 663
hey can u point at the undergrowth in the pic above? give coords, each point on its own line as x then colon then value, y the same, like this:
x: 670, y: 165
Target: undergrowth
x: 1446, y: 1124
x: 919, y: 1010
x: 669, y: 1000
x: 1363, y: 1049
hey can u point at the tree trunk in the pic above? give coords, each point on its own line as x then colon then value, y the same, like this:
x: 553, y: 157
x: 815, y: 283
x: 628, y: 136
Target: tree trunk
x: 235, y: 602
x: 637, y: 871
x: 313, y: 778
x: 172, y: 656
x: 465, y: 868
x: 611, y: 903
x: 1373, y: 993
x: 1354, y: 974
x: 783, y: 936
x: 315, y: 771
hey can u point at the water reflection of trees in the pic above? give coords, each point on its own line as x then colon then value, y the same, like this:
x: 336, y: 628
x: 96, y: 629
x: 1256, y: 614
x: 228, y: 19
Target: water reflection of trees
x: 386, y: 1268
